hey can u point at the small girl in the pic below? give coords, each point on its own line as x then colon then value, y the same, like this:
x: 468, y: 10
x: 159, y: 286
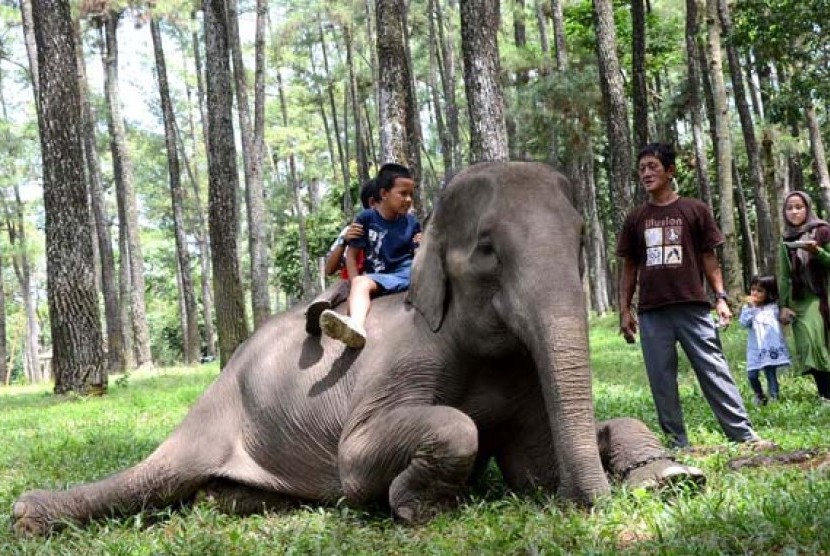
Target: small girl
x: 766, y: 347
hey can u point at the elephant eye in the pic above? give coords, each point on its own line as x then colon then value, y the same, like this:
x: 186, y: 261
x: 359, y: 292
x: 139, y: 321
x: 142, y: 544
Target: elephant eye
x: 485, y: 245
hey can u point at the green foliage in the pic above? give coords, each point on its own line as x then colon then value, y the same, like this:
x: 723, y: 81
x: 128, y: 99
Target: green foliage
x: 55, y: 443
x: 793, y: 35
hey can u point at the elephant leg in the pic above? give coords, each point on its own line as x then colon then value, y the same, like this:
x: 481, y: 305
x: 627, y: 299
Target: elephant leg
x: 174, y: 472
x: 239, y: 499
x: 524, y: 450
x: 420, y: 455
x: 632, y: 453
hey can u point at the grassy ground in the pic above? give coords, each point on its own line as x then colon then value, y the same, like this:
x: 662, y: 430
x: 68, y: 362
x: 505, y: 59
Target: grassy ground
x: 773, y: 509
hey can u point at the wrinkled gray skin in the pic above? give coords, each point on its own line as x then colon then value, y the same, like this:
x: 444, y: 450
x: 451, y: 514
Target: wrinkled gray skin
x: 490, y: 360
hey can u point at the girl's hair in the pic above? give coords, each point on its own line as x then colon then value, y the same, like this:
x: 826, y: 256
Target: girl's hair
x: 769, y: 284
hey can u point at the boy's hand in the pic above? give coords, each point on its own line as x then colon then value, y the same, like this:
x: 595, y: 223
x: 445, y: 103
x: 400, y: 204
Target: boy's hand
x: 416, y: 239
x: 355, y: 231
x: 787, y: 315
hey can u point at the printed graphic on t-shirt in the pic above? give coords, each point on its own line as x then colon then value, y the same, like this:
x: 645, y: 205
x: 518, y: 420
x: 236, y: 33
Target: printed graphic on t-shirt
x: 376, y: 238
x: 663, y: 237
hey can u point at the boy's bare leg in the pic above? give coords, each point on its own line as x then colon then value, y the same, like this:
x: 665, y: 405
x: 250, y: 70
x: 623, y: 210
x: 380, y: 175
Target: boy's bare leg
x: 351, y: 330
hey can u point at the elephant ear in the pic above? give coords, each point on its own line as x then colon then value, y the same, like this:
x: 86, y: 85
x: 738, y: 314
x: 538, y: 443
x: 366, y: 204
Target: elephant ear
x: 428, y: 290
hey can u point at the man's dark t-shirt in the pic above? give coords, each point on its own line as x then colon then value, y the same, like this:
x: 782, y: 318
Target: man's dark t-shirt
x: 667, y: 243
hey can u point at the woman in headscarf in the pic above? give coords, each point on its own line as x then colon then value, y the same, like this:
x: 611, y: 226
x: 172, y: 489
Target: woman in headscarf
x: 803, y: 272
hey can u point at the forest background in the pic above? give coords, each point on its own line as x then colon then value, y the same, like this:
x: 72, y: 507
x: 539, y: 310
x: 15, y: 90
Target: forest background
x: 220, y: 161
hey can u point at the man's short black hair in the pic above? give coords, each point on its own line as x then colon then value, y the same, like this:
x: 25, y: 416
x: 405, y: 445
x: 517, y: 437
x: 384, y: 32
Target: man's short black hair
x: 664, y: 152
x: 389, y: 172
x: 368, y: 191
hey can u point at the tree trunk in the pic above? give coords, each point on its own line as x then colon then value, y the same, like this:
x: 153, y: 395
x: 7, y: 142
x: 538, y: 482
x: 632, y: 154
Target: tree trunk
x: 559, y: 34
x: 544, y: 37
x: 73, y: 302
x: 31, y: 47
x: 224, y: 184
x: 765, y: 233
x: 435, y: 68
x: 694, y: 103
x: 203, y: 235
x: 485, y: 103
x: 819, y: 156
x: 400, y: 139
x: 252, y: 156
x: 116, y: 360
x: 123, y: 172
x: 616, y: 112
x: 638, y: 63
x: 22, y: 270
x: 749, y: 257
x: 446, y: 69
x: 338, y: 138
x: 305, y: 262
x: 192, y: 340
x: 360, y: 139
x: 731, y: 262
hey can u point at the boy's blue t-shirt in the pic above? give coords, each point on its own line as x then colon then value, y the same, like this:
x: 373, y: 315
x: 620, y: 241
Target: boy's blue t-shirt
x: 387, y: 243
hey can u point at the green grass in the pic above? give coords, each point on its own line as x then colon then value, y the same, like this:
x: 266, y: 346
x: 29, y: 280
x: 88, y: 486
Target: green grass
x: 776, y: 509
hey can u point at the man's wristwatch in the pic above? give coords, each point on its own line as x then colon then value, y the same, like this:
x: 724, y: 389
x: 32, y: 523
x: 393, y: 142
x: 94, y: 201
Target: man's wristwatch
x: 721, y: 295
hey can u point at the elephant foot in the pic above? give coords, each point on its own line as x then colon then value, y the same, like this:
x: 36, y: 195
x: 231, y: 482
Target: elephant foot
x: 416, y: 502
x: 30, y: 516
x: 665, y: 473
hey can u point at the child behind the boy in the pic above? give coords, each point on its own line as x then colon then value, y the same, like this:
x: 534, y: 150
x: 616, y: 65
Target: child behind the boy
x: 766, y: 348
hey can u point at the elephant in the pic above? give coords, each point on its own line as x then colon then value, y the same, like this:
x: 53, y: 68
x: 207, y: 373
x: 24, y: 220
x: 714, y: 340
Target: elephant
x: 484, y: 358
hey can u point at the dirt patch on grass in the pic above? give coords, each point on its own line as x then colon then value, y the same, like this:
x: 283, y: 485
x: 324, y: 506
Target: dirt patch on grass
x: 803, y: 459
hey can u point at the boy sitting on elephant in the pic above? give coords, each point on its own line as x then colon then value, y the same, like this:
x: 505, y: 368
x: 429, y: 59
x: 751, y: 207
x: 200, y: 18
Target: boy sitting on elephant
x: 389, y: 240
x: 335, y: 261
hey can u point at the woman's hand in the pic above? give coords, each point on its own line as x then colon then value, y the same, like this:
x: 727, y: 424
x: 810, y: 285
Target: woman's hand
x: 787, y: 315
x: 811, y: 246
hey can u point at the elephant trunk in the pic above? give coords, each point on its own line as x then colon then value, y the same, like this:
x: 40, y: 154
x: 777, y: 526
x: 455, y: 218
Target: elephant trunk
x: 562, y: 360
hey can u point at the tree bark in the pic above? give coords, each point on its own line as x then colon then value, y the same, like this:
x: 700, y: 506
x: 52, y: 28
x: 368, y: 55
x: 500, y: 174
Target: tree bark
x: 123, y: 172
x: 203, y: 235
x: 77, y: 361
x: 359, y: 134
x: 485, y: 102
x: 638, y: 63
x: 559, y: 34
x: 765, y: 233
x: 338, y: 138
x: 731, y: 262
x: 616, y: 112
x: 305, y: 262
x: 447, y: 71
x: 22, y: 270
x: 695, y: 103
x: 224, y: 184
x: 253, y: 152
x: 434, y: 76
x: 400, y: 139
x: 192, y: 339
x: 819, y: 156
x: 748, y: 254
x: 116, y: 359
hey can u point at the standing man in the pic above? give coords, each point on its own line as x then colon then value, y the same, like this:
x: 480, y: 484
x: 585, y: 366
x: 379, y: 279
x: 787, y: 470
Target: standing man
x: 667, y: 245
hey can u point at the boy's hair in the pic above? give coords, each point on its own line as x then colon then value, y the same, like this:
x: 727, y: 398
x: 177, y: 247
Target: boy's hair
x: 769, y: 284
x: 389, y: 172
x: 664, y: 152
x: 369, y: 191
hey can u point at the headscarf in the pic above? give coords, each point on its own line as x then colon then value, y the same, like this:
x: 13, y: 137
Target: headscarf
x: 806, y: 273
x: 794, y: 233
